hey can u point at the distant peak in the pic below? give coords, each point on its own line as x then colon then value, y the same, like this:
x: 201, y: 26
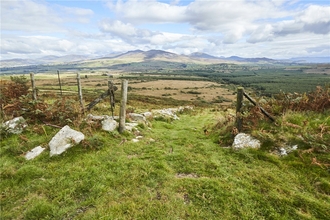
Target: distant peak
x: 203, y: 55
x: 135, y: 51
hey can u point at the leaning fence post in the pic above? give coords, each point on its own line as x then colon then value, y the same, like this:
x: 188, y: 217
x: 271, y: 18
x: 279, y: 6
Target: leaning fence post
x: 80, y: 93
x: 239, y: 104
x: 112, y: 96
x: 34, y: 90
x: 122, y: 115
x: 59, y: 81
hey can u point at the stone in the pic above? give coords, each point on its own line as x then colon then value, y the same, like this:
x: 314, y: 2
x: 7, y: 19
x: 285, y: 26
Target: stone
x: 243, y: 140
x: 147, y: 114
x: 137, y: 138
x: 170, y: 112
x: 167, y: 113
x: 65, y: 139
x: 284, y: 151
x: 130, y: 126
x: 15, y: 126
x: 109, y: 124
x: 137, y: 117
x: 34, y: 153
x: 91, y: 117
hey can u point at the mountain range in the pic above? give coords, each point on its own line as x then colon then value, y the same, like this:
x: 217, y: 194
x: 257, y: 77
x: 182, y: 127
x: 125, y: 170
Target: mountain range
x: 154, y: 55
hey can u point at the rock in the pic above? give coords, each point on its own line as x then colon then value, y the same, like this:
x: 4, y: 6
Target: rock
x: 91, y: 117
x: 137, y: 117
x: 243, y: 140
x: 15, y: 126
x: 64, y: 139
x: 147, y: 114
x: 137, y: 138
x: 109, y: 124
x: 294, y: 147
x: 283, y: 151
x: 34, y: 152
x: 130, y: 126
x: 169, y: 113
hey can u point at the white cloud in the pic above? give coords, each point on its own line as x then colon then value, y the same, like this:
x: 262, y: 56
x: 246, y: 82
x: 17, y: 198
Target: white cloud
x: 34, y: 15
x: 314, y: 19
x: 315, y: 14
x: 27, y: 15
x: 148, y: 11
x: 271, y: 28
x: 34, y: 46
x: 233, y: 19
x: 78, y: 11
x: 261, y: 34
x: 132, y: 35
x: 118, y: 28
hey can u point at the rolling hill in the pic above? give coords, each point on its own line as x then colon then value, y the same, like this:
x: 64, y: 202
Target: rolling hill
x: 144, y: 57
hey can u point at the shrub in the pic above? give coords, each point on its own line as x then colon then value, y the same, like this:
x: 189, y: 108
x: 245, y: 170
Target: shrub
x: 12, y: 90
x: 317, y: 100
x: 194, y: 92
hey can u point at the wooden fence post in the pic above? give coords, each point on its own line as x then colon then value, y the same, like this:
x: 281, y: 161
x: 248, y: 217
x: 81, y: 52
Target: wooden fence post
x: 59, y: 81
x: 111, y: 90
x: 80, y: 93
x: 239, y: 104
x: 34, y: 90
x: 122, y: 115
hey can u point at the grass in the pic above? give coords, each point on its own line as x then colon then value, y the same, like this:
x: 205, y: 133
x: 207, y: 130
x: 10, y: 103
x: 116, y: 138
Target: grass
x: 175, y: 172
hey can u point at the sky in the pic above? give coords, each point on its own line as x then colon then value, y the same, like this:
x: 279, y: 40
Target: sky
x: 278, y: 29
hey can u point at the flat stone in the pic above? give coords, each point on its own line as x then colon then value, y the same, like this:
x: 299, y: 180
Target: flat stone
x: 169, y: 113
x: 130, y: 126
x: 91, y: 117
x: 34, y: 153
x: 137, y: 117
x: 64, y: 139
x: 147, y: 114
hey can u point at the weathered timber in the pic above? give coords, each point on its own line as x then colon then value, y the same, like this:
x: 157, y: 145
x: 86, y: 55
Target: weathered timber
x: 122, y: 115
x: 239, y: 104
x: 112, y: 96
x: 33, y: 84
x: 256, y: 104
x: 100, y: 98
x: 59, y: 81
x: 80, y: 93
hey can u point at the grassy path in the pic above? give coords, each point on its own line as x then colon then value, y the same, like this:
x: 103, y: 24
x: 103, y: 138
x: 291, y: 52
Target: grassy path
x: 174, y: 172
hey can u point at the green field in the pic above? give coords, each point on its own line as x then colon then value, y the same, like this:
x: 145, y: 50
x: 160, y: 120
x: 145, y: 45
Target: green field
x: 265, y: 79
x: 175, y: 172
